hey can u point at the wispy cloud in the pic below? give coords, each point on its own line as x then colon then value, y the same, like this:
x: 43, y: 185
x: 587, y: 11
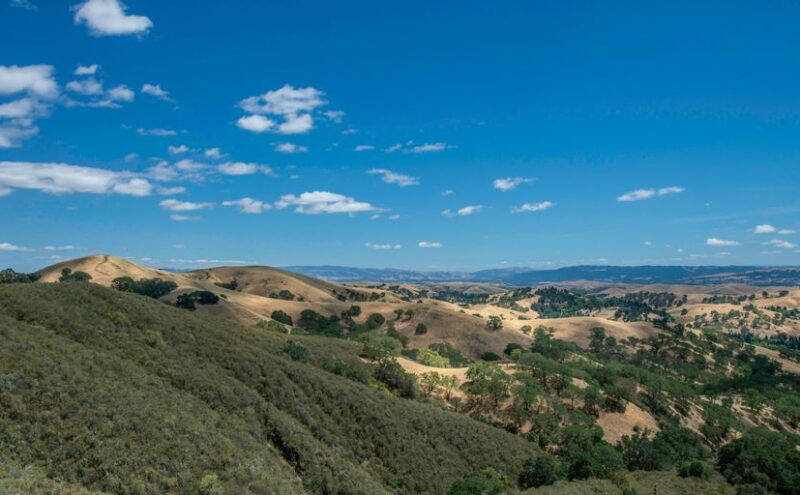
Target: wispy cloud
x: 249, y: 205
x: 242, y: 168
x: 430, y: 148
x: 509, y: 183
x: 383, y: 246
x: 463, y: 212
x: 156, y: 91
x: 176, y: 205
x: 410, y: 147
x: 780, y: 243
x: 68, y: 247
x: 531, y: 207
x: 769, y: 229
x: 156, y: 132
x: 290, y: 148
x: 364, y: 147
x: 713, y: 241
x: 177, y: 150
x: 390, y: 177
x: 641, y: 194
x: 430, y: 245
x: 24, y: 4
x: 7, y: 246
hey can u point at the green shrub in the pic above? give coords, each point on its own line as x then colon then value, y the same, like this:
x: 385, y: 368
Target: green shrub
x: 296, y: 351
x: 695, y: 469
x: 281, y: 317
x: 540, y: 471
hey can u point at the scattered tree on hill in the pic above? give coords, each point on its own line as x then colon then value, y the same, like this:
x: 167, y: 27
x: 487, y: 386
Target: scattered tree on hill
x: 421, y: 329
x: 762, y: 462
x: 375, y: 320
x: 67, y: 275
x: 281, y: 317
x: 9, y: 276
x: 232, y: 285
x: 190, y: 299
x: 150, y: 287
x: 494, y: 322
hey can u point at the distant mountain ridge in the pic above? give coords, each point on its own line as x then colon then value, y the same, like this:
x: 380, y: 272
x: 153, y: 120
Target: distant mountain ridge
x: 647, y: 274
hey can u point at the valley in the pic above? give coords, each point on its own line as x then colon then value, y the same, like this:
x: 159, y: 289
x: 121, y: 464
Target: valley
x: 599, y: 379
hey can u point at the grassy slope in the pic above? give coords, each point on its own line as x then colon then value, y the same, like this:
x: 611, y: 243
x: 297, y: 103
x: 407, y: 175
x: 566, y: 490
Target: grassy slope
x: 119, y: 393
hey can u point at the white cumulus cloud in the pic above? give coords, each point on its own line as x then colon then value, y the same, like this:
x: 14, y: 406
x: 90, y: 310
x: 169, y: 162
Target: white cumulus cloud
x: 291, y: 110
x: 61, y: 178
x: 316, y: 202
x: 108, y: 18
x: 86, y: 70
x: 156, y: 91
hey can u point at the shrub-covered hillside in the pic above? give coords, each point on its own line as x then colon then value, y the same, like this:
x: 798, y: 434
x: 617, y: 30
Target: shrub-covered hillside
x: 112, y: 392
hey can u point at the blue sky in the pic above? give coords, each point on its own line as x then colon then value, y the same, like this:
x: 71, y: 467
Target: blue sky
x: 425, y: 135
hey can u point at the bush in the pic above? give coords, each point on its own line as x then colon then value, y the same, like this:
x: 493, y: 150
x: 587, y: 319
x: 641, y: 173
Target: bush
x: 539, y: 471
x: 375, y: 320
x: 316, y: 323
x: 486, y: 482
x: 377, y: 346
x: 281, y: 317
x: 430, y: 357
x: 421, y: 329
x: 490, y: 356
x: 393, y: 376
x: 296, y: 351
x: 511, y: 347
x: 695, y: 469
x: 453, y: 356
